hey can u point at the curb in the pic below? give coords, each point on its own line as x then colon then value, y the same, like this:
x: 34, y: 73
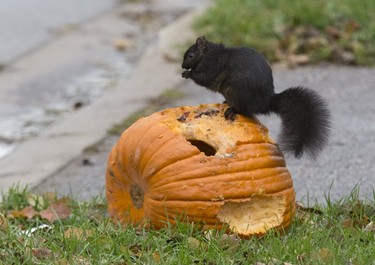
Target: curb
x: 38, y: 158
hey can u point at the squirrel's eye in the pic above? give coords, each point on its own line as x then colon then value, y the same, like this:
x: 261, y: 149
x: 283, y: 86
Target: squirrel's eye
x: 191, y: 55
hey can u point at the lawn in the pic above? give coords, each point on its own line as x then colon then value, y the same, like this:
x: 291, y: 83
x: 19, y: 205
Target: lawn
x: 299, y: 32
x: 45, y: 229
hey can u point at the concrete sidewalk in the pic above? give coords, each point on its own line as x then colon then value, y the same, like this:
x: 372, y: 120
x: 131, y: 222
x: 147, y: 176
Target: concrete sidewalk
x: 38, y: 158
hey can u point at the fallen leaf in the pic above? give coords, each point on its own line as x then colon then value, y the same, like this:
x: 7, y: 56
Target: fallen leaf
x: 209, y: 234
x: 370, y: 227
x: 352, y: 26
x: 66, y: 200
x: 347, y: 223
x: 42, y: 253
x: 3, y: 222
x: 229, y: 243
x: 37, y: 201
x: 156, y: 257
x: 298, y: 59
x: 97, y: 212
x: 175, y: 239
x: 28, y: 212
x: 304, y: 213
x: 301, y: 258
x: 193, y: 243
x: 122, y: 44
x: 136, y: 250
x: 62, y: 261
x: 75, y: 232
x: 274, y: 261
x: 55, y: 211
x: 50, y: 196
x: 333, y: 32
x: 170, y: 58
x: 81, y: 260
x: 323, y: 255
x: 3, y: 255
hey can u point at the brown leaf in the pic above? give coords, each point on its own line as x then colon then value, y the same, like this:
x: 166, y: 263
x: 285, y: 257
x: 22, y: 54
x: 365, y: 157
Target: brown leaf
x: 122, y: 44
x: 156, y: 257
x: 62, y: 261
x: 301, y: 258
x: 136, y: 250
x: 193, y: 243
x: 3, y: 222
x: 3, y: 255
x: 55, y: 211
x: 298, y: 59
x: 352, y: 26
x: 75, y: 232
x: 50, y: 196
x: 42, y: 253
x: 323, y: 255
x: 27, y: 212
x: 274, y: 261
x: 170, y: 58
x: 81, y: 260
x: 97, y: 212
x: 64, y: 200
x: 304, y: 214
x: 347, y: 223
x: 301, y: 207
x: 229, y: 243
x: 333, y: 32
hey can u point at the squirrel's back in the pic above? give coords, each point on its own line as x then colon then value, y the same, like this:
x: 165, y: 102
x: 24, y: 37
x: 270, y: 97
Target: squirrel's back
x: 250, y: 78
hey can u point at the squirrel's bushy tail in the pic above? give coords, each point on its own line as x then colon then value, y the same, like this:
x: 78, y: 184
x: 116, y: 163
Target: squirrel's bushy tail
x: 305, y: 121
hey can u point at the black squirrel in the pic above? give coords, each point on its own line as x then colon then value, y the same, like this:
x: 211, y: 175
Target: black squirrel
x: 244, y: 77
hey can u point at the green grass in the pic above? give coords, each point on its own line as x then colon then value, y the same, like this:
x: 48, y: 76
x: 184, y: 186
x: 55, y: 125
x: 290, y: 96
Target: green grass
x: 329, y: 234
x: 340, y: 31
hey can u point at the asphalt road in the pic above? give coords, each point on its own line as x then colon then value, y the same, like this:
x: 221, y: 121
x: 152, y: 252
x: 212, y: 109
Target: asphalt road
x: 347, y: 162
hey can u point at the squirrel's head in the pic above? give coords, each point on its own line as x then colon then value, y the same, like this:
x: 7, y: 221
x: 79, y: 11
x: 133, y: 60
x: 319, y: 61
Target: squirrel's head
x: 194, y: 54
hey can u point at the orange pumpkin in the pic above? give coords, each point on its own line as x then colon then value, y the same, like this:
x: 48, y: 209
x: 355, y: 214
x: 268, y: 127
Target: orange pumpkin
x: 189, y: 163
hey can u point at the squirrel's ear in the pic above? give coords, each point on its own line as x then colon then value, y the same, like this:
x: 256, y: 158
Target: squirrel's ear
x: 201, y: 43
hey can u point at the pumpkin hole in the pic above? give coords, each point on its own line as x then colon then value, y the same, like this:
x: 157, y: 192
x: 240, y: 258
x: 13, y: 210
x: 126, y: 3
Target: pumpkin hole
x: 204, y: 147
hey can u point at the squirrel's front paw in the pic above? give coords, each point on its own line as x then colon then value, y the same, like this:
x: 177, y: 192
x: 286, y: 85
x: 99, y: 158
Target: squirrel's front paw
x: 186, y: 74
x: 230, y: 114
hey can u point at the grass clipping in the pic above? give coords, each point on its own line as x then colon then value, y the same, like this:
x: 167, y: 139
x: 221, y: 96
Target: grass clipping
x: 255, y: 216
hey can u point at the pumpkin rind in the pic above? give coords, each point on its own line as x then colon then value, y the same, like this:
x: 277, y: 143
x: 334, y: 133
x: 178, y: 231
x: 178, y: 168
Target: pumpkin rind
x: 155, y: 173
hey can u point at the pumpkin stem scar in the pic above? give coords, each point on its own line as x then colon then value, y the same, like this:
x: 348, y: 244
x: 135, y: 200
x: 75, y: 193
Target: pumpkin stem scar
x: 137, y: 195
